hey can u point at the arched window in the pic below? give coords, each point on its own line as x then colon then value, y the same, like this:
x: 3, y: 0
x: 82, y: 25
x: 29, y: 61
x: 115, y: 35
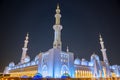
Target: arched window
x: 64, y: 69
x: 44, y: 71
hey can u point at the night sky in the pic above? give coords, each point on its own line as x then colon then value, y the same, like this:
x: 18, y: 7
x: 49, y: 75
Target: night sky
x: 82, y: 21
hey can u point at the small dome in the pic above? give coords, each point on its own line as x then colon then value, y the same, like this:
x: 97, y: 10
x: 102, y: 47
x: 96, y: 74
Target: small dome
x: 32, y: 62
x: 11, y: 64
x: 6, y: 70
x: 27, y: 59
x: 84, y: 62
x: 83, y: 59
x: 38, y: 56
x: 90, y: 64
x: 94, y: 56
x: 77, y: 61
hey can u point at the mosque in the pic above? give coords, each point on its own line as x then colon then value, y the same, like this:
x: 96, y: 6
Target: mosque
x: 56, y: 63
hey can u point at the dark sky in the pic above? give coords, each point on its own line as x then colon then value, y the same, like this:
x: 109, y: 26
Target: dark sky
x: 82, y: 22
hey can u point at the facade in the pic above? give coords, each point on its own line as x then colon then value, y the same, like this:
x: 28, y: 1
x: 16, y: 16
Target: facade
x: 56, y: 63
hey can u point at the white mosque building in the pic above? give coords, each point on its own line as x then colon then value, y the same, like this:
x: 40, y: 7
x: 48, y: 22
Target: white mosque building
x: 56, y: 63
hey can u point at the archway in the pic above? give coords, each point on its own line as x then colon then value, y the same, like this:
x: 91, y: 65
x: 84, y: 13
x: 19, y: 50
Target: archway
x: 64, y: 70
x: 44, y: 71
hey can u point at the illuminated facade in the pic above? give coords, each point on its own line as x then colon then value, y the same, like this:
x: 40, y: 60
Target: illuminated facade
x: 55, y: 63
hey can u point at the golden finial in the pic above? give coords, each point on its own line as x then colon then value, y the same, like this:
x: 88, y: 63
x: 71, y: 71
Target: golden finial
x: 57, y: 15
x: 58, y: 9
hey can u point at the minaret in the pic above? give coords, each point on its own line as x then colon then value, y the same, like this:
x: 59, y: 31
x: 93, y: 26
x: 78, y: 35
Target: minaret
x: 103, y: 50
x: 67, y: 50
x: 24, y: 49
x: 57, y: 27
x: 105, y: 59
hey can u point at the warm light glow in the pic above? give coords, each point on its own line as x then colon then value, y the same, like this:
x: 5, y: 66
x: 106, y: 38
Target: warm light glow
x: 20, y: 74
x: 83, y: 74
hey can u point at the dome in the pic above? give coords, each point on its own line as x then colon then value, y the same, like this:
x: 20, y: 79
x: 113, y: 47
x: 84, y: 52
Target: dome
x: 6, y: 70
x: 38, y: 56
x: 84, y: 62
x: 90, y: 64
x: 27, y: 59
x: 83, y: 59
x: 94, y: 56
x: 77, y: 61
x: 32, y: 63
x: 11, y: 64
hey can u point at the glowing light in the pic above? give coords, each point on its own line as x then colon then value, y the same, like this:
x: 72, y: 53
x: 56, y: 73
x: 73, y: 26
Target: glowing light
x: 37, y: 76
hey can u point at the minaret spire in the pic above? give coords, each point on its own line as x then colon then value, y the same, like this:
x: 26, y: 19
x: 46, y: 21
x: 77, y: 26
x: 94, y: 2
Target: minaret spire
x: 25, y: 48
x: 101, y: 42
x: 26, y: 41
x: 57, y: 27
